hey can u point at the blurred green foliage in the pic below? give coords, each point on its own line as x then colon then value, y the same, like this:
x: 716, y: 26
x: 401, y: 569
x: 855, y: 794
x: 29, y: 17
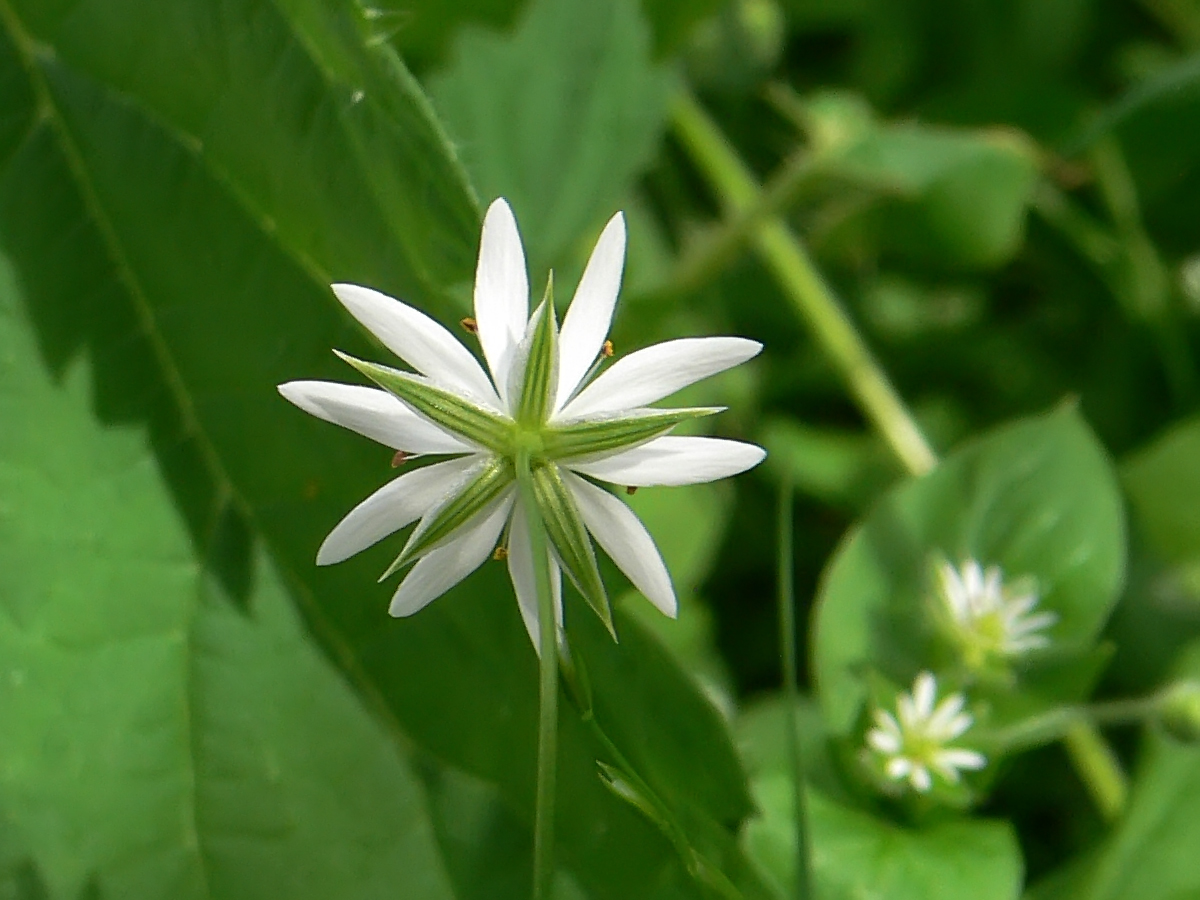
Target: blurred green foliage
x: 1003, y: 195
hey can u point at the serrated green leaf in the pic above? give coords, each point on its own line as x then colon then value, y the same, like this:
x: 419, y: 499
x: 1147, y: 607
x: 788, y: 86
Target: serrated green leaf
x: 470, y: 422
x: 179, y: 211
x: 1037, y: 498
x: 479, y: 492
x: 576, y: 440
x: 566, y: 530
x: 143, y: 706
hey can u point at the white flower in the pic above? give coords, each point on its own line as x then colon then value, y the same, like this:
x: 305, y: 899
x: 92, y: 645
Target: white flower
x: 541, y: 401
x: 914, y: 742
x: 986, y: 618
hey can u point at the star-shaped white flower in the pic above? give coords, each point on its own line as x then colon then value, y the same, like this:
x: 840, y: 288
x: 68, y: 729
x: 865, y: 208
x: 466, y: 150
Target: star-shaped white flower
x: 914, y: 743
x: 544, y: 401
x: 987, y: 619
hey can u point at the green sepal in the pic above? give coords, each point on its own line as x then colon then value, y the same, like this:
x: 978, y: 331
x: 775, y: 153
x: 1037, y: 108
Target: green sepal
x: 444, y: 408
x: 586, y: 438
x: 539, y: 377
x: 565, y: 527
x: 438, y: 525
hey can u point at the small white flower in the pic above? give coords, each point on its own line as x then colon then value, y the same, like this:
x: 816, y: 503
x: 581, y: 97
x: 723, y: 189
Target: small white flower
x: 988, y: 619
x: 542, y: 401
x: 915, y: 742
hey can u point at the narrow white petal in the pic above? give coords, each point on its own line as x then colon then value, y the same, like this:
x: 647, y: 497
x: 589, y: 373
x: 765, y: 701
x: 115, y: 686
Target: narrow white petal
x: 501, y: 291
x: 590, y: 315
x: 658, y: 371
x: 961, y: 759
x: 520, y: 570
x: 1019, y: 606
x: 956, y: 727
x: 443, y: 568
x: 621, y: 534
x: 924, y: 693
x: 372, y: 413
x: 954, y: 592
x: 398, y: 503
x: 921, y: 779
x: 674, y: 461
x: 885, y: 721
x: 897, y: 767
x: 945, y: 713
x: 419, y: 341
x: 883, y: 741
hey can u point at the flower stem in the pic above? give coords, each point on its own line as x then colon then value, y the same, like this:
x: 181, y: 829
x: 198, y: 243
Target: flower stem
x: 792, y: 266
x: 787, y: 645
x: 543, y: 828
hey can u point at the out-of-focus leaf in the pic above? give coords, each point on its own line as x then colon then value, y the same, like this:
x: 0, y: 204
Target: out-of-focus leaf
x: 856, y: 855
x: 183, y: 230
x: 1152, y: 853
x: 1163, y: 482
x: 838, y: 467
x: 558, y: 117
x: 160, y: 741
x: 958, y: 196
x: 1037, y: 498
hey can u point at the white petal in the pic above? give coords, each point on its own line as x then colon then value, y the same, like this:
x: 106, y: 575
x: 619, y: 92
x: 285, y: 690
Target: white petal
x: 590, y: 315
x: 674, y: 461
x: 398, y: 503
x: 921, y: 779
x: 443, y: 568
x: 961, y: 759
x: 945, y: 713
x: 501, y: 291
x: 885, y: 721
x: 924, y: 693
x: 419, y: 341
x: 621, y: 534
x: 883, y: 741
x: 898, y: 767
x: 372, y: 413
x: 520, y: 570
x: 658, y: 371
x: 954, y: 592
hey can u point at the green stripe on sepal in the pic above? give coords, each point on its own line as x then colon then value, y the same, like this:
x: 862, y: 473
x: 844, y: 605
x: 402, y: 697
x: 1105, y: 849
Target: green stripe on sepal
x: 487, y: 483
x: 591, y: 436
x: 539, y: 366
x: 565, y: 527
x: 442, y: 407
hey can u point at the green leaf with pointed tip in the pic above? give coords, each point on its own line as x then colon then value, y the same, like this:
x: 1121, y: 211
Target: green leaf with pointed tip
x: 163, y: 738
x: 570, y: 538
x: 1039, y: 499
x: 540, y: 365
x: 482, y: 488
x: 576, y: 440
x: 445, y: 408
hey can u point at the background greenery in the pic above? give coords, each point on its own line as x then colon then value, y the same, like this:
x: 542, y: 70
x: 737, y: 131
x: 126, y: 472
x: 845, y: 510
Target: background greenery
x: 1003, y: 194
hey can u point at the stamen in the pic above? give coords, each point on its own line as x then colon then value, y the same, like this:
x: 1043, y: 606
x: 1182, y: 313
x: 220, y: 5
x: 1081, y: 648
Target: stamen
x: 400, y: 459
x: 606, y: 350
x: 501, y: 553
x: 469, y: 324
x: 631, y: 490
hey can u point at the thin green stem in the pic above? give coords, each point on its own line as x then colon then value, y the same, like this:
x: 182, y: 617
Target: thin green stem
x: 543, y: 828
x: 787, y: 646
x: 1101, y: 770
x: 789, y: 261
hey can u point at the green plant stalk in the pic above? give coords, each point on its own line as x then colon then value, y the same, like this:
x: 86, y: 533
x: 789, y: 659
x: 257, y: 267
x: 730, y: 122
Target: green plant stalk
x: 543, y: 827
x: 787, y: 646
x: 791, y: 265
x: 869, y: 385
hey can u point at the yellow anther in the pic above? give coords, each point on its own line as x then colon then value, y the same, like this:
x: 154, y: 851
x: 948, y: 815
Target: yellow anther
x: 469, y: 324
x: 606, y: 350
x: 501, y: 553
x: 399, y: 459
x: 631, y: 490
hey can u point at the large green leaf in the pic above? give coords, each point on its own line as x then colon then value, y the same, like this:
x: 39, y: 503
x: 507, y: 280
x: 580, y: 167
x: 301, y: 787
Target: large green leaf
x: 160, y: 740
x: 1038, y: 498
x: 182, y: 230
x: 857, y: 855
x: 559, y: 117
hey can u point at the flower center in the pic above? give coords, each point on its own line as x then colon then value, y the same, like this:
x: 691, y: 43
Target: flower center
x: 528, y: 440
